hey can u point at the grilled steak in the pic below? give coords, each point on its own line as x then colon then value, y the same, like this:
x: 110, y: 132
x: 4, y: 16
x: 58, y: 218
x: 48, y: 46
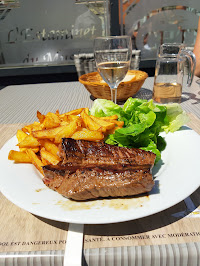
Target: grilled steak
x: 84, y: 153
x: 94, y: 169
x: 89, y: 183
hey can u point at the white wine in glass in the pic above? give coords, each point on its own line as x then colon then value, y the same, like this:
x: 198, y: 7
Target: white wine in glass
x: 113, y: 57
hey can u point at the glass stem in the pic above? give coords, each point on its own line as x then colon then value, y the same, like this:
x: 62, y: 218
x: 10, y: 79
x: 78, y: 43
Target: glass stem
x: 114, y: 94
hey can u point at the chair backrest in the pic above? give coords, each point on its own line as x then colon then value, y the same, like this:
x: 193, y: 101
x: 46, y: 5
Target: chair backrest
x: 85, y: 63
x: 135, y: 60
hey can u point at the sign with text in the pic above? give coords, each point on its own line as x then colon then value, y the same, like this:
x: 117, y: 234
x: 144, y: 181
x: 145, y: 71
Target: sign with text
x: 36, y: 33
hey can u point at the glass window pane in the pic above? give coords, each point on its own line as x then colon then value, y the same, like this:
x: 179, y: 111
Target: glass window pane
x: 153, y: 22
x: 49, y: 32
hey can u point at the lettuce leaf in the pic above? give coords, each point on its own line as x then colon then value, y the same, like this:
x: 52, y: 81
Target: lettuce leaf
x: 143, y: 122
x: 153, y: 148
x: 175, y: 118
x: 103, y: 107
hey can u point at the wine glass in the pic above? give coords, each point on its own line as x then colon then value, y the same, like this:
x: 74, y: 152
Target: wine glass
x: 113, y: 57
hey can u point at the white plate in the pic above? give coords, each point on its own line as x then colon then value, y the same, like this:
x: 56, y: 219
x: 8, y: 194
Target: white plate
x: 176, y: 177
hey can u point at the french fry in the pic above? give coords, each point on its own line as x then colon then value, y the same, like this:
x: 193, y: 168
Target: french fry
x: 20, y: 135
x: 86, y: 110
x: 47, y: 133
x: 57, y: 112
x: 51, y: 120
x: 26, y: 129
x: 50, y: 147
x: 64, y: 123
x: 35, y: 150
x: 65, y: 119
x: 40, y: 117
x: 112, y: 131
x: 112, y: 117
x: 67, y: 131
x: 106, y: 124
x: 86, y: 134
x: 47, y: 156
x: 69, y: 118
x: 31, y: 127
x: 119, y: 123
x: 78, y: 120
x: 90, y: 123
x: 116, y: 122
x: 19, y: 157
x: 29, y: 141
x: 73, y: 112
x: 35, y: 160
x: 44, y: 161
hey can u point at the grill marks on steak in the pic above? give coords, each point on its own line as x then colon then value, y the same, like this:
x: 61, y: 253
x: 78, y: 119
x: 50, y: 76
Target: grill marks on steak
x: 98, y: 153
x: 91, y: 170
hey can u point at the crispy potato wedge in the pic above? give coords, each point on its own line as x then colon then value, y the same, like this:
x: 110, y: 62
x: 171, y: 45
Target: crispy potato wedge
x: 73, y: 112
x: 106, y: 124
x: 47, y: 156
x: 70, y: 118
x: 57, y: 112
x: 19, y: 157
x: 116, y: 122
x: 47, y: 133
x: 35, y: 160
x: 44, y: 161
x: 112, y: 131
x: 32, y: 127
x: 112, y: 117
x: 29, y: 141
x: 36, y: 149
x: 50, y: 147
x: 86, y: 134
x: 90, y: 123
x: 64, y: 123
x: 51, y: 120
x: 67, y: 131
x: 65, y: 119
x: 87, y: 110
x: 20, y: 135
x: 40, y: 117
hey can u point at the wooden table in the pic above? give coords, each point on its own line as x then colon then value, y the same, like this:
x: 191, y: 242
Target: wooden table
x: 171, y: 237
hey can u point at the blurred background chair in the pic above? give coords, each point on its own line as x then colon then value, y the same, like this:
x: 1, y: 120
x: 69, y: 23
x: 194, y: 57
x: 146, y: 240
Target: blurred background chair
x: 135, y: 60
x: 85, y: 63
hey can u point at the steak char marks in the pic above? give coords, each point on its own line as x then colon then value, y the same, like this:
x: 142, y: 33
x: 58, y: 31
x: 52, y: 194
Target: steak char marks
x: 100, y: 154
x: 91, y: 170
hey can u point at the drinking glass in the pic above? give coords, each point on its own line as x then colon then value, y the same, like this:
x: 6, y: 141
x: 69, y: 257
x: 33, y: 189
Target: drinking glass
x: 113, y: 57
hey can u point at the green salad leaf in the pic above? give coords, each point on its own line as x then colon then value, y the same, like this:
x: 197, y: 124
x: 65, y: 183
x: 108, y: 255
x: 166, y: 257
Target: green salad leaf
x: 175, y: 118
x: 143, y: 122
x: 103, y: 107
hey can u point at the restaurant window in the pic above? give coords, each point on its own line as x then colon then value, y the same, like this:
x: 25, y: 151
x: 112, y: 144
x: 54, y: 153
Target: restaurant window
x: 153, y: 22
x: 48, y: 32
x: 38, y: 33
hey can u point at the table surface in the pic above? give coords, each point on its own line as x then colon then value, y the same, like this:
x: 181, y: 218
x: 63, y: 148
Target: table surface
x: 19, y: 104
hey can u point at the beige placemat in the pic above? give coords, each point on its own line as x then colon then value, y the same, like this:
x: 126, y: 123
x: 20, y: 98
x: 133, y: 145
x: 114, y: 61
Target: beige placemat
x: 22, y: 231
x: 7, y: 132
